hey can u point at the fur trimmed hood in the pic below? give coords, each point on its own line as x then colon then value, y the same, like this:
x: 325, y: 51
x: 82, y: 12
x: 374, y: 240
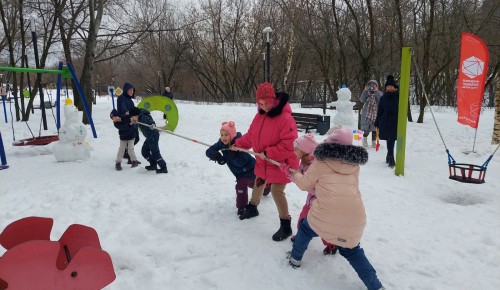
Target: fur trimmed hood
x: 356, y: 155
x: 283, y: 98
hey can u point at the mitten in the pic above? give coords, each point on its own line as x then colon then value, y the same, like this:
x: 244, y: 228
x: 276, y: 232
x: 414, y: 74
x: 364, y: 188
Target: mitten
x: 217, y: 157
x: 285, y: 168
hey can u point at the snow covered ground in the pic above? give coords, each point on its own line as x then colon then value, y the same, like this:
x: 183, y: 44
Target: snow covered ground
x: 180, y: 230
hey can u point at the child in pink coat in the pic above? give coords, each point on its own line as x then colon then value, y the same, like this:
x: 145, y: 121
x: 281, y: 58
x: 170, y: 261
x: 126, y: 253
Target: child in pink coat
x: 338, y: 213
x: 304, y: 148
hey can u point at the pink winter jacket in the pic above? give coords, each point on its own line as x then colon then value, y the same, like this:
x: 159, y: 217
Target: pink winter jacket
x: 337, y: 214
x: 311, y: 192
x: 272, y: 133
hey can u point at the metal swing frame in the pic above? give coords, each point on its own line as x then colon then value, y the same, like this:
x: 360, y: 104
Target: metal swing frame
x: 62, y: 71
x: 461, y: 172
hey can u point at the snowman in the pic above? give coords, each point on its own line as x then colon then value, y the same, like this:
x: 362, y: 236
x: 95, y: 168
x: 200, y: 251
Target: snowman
x: 344, y: 116
x: 71, y: 145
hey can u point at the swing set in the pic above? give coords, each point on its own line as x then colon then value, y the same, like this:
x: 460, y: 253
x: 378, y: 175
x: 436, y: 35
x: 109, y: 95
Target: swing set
x: 66, y: 72
x: 461, y: 172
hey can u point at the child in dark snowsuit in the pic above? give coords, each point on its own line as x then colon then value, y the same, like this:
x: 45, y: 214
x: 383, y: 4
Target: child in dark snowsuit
x: 241, y: 164
x: 127, y: 132
x: 150, y: 149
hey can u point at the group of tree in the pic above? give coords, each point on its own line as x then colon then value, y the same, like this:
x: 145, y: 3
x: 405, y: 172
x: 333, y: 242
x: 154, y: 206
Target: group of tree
x: 212, y: 50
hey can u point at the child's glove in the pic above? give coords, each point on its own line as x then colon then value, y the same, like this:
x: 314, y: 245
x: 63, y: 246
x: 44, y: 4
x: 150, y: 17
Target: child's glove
x: 285, y: 168
x: 217, y: 157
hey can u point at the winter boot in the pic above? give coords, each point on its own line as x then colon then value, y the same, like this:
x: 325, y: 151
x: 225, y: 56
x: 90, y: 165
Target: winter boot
x: 129, y: 161
x: 151, y: 166
x: 365, y: 142
x: 135, y: 164
x: 240, y: 211
x: 250, y: 212
x: 284, y: 231
x: 291, y: 261
x: 330, y: 250
x: 391, y: 161
x: 162, y: 170
x: 118, y: 167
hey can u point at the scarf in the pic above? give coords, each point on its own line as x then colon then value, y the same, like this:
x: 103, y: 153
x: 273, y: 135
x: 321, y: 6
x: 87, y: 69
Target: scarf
x: 371, y: 113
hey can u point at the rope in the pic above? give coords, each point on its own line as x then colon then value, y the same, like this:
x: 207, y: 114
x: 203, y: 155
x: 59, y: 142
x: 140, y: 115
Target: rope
x: 430, y: 107
x: 199, y: 142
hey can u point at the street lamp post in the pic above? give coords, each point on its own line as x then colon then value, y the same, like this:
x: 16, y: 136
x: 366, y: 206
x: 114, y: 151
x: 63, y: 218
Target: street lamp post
x: 267, y: 70
x: 38, y: 75
x: 159, y: 82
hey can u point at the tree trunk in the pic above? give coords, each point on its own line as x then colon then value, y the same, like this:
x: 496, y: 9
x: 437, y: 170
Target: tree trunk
x: 95, y: 17
x: 426, y: 60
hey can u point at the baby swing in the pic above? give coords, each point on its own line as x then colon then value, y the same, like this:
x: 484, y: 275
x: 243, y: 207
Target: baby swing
x: 461, y: 172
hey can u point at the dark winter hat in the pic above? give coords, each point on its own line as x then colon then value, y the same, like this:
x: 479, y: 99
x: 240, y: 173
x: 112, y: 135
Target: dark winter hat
x: 134, y: 111
x: 390, y: 81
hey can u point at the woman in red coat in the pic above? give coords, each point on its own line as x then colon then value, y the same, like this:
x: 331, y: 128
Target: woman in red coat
x: 271, y: 136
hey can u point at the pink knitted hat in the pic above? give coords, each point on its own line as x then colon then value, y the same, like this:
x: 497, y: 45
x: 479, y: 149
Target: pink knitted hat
x: 230, y: 128
x: 306, y: 143
x: 340, y: 136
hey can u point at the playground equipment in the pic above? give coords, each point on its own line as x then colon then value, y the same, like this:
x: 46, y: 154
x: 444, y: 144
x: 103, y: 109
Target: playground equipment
x: 33, y: 261
x: 3, y: 159
x: 62, y: 72
x: 461, y: 172
x: 165, y: 105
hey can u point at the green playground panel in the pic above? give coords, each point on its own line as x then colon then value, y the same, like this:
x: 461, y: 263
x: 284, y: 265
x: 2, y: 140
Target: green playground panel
x: 165, y: 105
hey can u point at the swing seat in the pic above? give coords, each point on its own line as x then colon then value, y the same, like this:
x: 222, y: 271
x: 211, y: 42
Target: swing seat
x: 467, y: 173
x: 37, y: 141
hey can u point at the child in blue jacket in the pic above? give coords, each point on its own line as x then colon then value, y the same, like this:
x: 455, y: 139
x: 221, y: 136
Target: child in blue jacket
x: 127, y: 132
x: 150, y: 149
x: 241, y: 164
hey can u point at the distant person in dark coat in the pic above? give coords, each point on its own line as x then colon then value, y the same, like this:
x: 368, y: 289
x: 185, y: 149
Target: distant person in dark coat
x: 387, y: 118
x: 167, y: 93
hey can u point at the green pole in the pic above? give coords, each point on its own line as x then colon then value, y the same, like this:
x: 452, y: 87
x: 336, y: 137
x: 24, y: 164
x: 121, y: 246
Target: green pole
x: 404, y: 92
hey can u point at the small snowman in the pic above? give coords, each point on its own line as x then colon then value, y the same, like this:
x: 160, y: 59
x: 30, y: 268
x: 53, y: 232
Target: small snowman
x: 344, y: 116
x: 71, y: 145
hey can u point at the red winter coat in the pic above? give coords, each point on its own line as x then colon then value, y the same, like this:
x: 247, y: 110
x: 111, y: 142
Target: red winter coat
x: 272, y: 133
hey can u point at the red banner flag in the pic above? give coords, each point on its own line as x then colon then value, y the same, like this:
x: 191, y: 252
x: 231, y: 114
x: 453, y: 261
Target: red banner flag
x: 471, y: 79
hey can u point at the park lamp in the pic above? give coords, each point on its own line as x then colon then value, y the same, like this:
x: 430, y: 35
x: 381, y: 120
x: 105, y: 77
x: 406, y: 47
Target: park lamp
x: 266, y: 31
x: 32, y: 24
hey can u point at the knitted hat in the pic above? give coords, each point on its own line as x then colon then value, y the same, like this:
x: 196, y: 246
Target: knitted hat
x: 372, y: 82
x: 390, y: 81
x: 265, y: 91
x: 230, y: 128
x: 134, y: 111
x: 306, y: 143
x: 340, y: 136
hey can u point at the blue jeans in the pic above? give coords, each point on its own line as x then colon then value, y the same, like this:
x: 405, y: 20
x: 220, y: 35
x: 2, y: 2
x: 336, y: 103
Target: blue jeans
x: 355, y: 256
